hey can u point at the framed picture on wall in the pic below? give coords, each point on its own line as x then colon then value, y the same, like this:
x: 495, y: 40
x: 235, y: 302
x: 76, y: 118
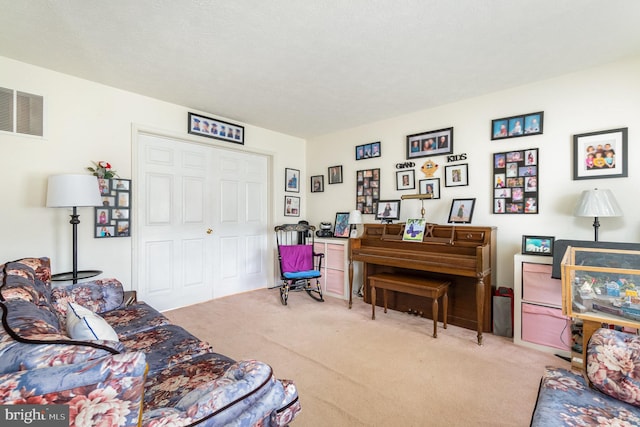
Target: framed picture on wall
x: 112, y: 219
x: 430, y: 186
x: 214, y: 128
x: 431, y: 143
x: 291, y: 206
x: 456, y: 175
x: 600, y: 154
x: 405, y: 180
x: 292, y: 180
x: 317, y: 183
x: 367, y: 190
x: 515, y: 182
x: 335, y: 174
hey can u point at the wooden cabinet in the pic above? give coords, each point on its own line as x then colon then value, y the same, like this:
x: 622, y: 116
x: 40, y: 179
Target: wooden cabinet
x: 334, y: 266
x: 538, y: 319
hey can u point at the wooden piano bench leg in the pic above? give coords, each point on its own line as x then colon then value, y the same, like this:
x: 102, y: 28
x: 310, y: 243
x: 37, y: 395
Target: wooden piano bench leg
x: 373, y: 301
x: 434, y: 309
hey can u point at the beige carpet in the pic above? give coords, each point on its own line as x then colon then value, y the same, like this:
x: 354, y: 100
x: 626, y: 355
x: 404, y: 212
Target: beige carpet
x: 354, y: 371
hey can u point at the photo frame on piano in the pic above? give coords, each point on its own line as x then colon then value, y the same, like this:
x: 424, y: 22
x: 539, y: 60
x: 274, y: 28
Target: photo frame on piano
x: 461, y: 211
x: 388, y: 210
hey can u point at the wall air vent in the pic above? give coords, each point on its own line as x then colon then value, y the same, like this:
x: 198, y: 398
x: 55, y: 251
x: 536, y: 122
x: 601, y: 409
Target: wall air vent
x: 21, y: 112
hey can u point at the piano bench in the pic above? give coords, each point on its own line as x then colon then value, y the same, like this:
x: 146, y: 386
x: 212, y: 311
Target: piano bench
x: 413, y: 285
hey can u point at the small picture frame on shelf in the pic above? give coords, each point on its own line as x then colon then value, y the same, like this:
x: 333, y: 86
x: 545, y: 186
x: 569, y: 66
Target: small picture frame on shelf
x: 341, y: 228
x: 414, y: 230
x: 538, y: 245
x: 388, y: 210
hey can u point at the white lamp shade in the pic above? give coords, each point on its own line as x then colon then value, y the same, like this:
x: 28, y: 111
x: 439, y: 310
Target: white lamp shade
x: 600, y: 203
x: 65, y: 191
x: 355, y: 217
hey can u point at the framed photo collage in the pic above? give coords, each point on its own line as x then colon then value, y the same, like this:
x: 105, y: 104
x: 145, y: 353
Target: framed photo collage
x: 515, y: 182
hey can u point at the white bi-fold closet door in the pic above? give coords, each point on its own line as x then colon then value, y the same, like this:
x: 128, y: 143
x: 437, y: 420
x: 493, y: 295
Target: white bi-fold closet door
x: 202, y: 218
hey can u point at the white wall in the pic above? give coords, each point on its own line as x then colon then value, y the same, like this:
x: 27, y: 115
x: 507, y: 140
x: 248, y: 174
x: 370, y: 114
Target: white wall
x: 597, y: 99
x: 86, y: 121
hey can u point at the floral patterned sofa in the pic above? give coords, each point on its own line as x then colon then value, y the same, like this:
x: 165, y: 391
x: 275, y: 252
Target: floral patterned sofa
x: 154, y: 374
x: 613, y: 399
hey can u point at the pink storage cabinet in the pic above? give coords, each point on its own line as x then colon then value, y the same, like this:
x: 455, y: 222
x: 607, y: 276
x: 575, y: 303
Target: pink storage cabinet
x: 539, y: 286
x: 546, y: 326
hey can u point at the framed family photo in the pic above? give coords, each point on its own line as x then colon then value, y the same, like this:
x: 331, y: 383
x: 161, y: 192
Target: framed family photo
x: 600, y: 154
x: 515, y: 126
x: 538, y: 245
x: 432, y: 143
x: 214, y: 128
x: 112, y: 219
x: 368, y: 151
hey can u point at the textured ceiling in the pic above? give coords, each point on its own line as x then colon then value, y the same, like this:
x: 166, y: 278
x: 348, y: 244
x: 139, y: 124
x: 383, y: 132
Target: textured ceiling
x: 307, y: 68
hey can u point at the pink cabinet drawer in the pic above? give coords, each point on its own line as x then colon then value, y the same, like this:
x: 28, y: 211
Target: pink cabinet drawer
x: 335, y: 282
x: 334, y: 258
x: 538, y: 286
x: 546, y: 326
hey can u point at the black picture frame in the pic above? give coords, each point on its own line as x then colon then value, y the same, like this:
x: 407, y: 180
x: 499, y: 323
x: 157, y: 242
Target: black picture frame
x: 367, y: 190
x: 113, y: 218
x: 461, y: 211
x: 317, y: 183
x: 456, y: 175
x: 388, y: 210
x: 406, y: 179
x: 516, y: 182
x: 291, y: 206
x: 538, y: 245
x: 608, y: 158
x: 430, y: 186
x: 214, y: 128
x: 368, y: 151
x: 341, y: 227
x: 431, y: 143
x: 335, y: 174
x: 292, y: 180
x: 517, y: 126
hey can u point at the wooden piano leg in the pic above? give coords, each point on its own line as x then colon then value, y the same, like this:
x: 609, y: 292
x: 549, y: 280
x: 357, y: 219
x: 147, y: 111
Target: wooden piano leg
x: 480, y: 306
x: 350, y: 282
x: 373, y: 302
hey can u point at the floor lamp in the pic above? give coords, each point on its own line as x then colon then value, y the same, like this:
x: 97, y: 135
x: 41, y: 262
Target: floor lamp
x: 73, y: 191
x: 597, y: 203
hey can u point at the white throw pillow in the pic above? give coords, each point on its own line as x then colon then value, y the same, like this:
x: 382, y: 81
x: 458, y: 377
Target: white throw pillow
x: 84, y: 324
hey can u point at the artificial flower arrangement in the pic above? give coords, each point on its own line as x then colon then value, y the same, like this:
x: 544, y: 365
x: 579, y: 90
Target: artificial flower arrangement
x: 102, y: 169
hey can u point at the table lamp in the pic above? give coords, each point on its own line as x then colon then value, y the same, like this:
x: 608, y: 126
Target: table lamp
x: 73, y: 191
x: 355, y: 218
x: 597, y: 203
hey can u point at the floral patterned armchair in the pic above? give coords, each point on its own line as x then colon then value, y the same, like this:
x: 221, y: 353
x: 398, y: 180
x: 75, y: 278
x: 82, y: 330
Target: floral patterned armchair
x: 155, y: 374
x: 610, y: 397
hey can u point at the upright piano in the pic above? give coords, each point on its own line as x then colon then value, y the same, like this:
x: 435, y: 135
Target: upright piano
x: 464, y: 255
